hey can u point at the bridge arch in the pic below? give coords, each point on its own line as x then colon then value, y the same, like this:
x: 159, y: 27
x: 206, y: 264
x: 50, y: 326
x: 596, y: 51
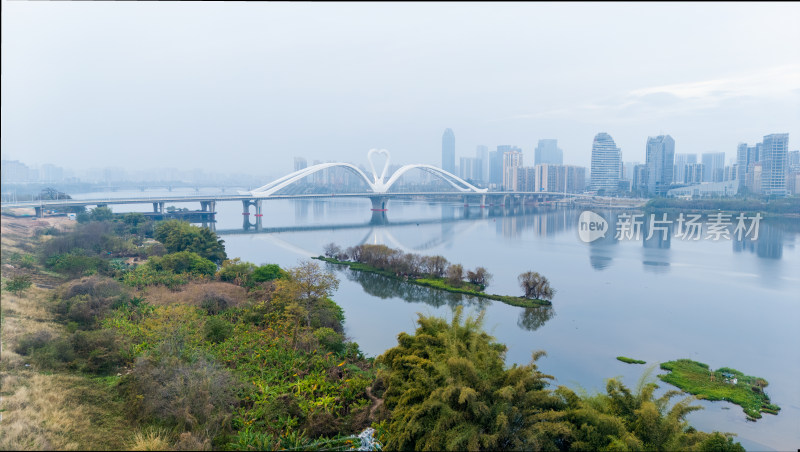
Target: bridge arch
x: 283, y: 182
x: 455, y: 181
x: 377, y: 185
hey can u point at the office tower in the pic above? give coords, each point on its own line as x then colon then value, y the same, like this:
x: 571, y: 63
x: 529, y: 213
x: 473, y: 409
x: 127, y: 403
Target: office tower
x: 694, y: 173
x: 746, y: 158
x: 679, y: 170
x: 449, y: 151
x: 774, y: 153
x: 482, y: 154
x: 714, y: 166
x: 496, y: 168
x: 512, y: 160
x: 606, y: 164
x: 660, y: 159
x: 639, y: 180
x: 793, y: 160
x: 548, y: 152
x: 300, y: 163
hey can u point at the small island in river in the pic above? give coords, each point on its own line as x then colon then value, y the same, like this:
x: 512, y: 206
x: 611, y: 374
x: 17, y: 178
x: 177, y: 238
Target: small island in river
x: 721, y: 384
x: 435, y: 272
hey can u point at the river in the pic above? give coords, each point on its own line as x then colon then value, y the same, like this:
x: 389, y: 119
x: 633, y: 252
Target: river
x: 725, y: 303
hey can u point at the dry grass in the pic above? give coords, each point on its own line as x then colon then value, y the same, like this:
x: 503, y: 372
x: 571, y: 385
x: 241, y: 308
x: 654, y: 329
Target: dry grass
x: 151, y: 439
x: 59, y: 411
x: 48, y: 411
x: 194, y: 293
x: 22, y: 315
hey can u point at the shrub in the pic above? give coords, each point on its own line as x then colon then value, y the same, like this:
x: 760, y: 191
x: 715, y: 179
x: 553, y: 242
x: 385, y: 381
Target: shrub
x: 183, y: 262
x: 89, y: 300
x: 217, y: 330
x: 197, y: 396
x: 46, y: 350
x: 330, y: 339
x: 75, y: 265
x: 145, y: 275
x: 214, y: 303
x: 236, y: 271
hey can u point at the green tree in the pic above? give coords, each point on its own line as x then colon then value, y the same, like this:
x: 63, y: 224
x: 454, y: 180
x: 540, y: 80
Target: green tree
x: 179, y: 235
x: 268, y: 272
x: 101, y: 213
x: 448, y: 389
x: 18, y: 284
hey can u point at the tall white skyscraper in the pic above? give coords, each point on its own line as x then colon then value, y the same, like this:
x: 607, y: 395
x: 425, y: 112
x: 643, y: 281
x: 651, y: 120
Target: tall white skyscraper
x: 660, y: 159
x: 606, y: 164
x: 774, y: 153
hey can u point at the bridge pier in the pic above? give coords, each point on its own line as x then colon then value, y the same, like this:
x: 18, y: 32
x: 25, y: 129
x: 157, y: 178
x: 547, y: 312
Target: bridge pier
x: 158, y: 207
x: 246, y: 224
x: 378, y: 203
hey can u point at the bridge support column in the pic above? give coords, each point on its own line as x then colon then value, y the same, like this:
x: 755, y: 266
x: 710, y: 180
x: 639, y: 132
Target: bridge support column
x: 483, y: 201
x: 378, y: 203
x: 246, y: 224
x: 158, y: 207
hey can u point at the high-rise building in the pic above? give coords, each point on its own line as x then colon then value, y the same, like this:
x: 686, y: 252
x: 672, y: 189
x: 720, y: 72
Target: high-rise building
x: 482, y: 154
x: 714, y: 166
x: 694, y: 173
x: 746, y: 158
x: 300, y: 163
x: 548, y: 152
x: 449, y: 151
x: 526, y: 178
x: 547, y: 177
x: 512, y: 160
x: 639, y: 180
x: 793, y: 160
x: 774, y: 153
x: 496, y: 167
x: 660, y: 159
x: 679, y: 169
x: 469, y: 169
x: 606, y: 164
x: 731, y: 171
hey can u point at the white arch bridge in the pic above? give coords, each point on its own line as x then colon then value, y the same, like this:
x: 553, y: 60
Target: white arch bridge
x: 377, y: 184
x: 378, y: 190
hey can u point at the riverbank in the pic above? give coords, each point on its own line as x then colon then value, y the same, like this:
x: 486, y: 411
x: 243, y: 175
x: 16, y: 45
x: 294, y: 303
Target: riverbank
x: 722, y: 384
x: 441, y: 284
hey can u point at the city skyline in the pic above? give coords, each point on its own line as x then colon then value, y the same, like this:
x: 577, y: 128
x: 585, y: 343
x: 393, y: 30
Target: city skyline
x: 82, y: 83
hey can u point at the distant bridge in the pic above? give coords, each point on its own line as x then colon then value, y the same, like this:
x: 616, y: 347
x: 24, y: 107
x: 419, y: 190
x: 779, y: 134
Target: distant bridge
x: 378, y: 193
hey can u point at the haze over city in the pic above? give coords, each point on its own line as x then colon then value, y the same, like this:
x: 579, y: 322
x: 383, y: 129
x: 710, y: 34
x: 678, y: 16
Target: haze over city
x: 244, y: 87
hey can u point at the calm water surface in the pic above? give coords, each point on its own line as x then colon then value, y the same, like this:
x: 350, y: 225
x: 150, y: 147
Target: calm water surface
x: 724, y: 303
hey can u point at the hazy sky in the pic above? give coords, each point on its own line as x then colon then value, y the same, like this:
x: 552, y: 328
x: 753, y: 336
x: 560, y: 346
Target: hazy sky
x: 246, y: 86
